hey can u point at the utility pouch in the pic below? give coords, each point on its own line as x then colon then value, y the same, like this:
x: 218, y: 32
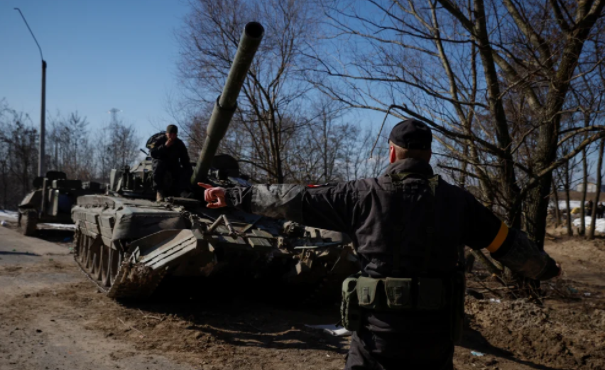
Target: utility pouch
x: 457, y: 306
x: 366, y: 292
x: 350, y: 313
x: 398, y: 292
x: 430, y: 294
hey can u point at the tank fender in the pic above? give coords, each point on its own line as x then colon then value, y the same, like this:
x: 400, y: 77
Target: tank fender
x: 32, y: 199
x: 168, y: 247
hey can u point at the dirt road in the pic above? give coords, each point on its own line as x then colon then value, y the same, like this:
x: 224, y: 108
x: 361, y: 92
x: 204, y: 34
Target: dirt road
x: 51, y: 317
x: 40, y: 328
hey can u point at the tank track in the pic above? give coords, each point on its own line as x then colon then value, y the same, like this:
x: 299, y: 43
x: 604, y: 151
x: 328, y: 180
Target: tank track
x: 129, y: 281
x: 127, y: 286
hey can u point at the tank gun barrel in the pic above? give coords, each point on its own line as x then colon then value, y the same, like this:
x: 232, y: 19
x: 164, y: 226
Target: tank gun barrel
x: 226, y: 103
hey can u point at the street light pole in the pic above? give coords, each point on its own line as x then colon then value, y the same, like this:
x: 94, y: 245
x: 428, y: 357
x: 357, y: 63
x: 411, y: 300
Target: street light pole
x: 41, y: 169
x: 41, y: 154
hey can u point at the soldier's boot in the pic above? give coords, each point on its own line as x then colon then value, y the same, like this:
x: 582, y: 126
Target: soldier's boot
x: 160, y: 196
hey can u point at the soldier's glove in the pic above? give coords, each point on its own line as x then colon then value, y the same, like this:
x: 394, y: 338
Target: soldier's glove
x: 523, y: 256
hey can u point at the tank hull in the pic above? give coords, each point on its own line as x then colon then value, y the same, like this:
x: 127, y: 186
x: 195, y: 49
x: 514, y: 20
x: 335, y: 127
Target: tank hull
x: 128, y: 246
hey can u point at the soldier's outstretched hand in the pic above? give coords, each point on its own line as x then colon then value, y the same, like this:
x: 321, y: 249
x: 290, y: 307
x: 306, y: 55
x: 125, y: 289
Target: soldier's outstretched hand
x: 214, y: 196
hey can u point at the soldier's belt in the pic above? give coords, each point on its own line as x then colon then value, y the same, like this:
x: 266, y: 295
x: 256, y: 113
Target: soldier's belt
x: 401, y: 294
x: 419, y: 294
x: 424, y: 294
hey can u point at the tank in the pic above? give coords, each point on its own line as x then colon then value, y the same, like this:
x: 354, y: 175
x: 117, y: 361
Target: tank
x: 51, y: 200
x: 127, y: 243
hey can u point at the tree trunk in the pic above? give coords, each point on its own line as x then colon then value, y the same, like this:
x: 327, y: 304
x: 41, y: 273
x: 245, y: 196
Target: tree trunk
x: 325, y: 149
x: 509, y: 183
x: 537, y: 211
x: 546, y: 149
x: 556, y: 208
x: 568, y: 219
x: 593, y: 220
x: 538, y: 198
x: 584, y: 188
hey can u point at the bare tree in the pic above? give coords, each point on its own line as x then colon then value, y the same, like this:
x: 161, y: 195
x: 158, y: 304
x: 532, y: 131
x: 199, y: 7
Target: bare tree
x: 492, y: 78
x: 70, y: 148
x: 593, y: 218
x: 19, y: 153
x: 596, y: 92
x: 272, y: 106
x: 556, y: 208
x: 318, y: 148
x: 117, y: 147
x: 587, y: 92
x: 567, y: 185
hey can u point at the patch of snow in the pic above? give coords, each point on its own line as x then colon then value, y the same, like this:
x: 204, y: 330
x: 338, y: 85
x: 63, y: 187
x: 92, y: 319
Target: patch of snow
x: 572, y: 204
x: 11, y: 215
x: 61, y: 226
x: 335, y: 330
x: 599, y: 226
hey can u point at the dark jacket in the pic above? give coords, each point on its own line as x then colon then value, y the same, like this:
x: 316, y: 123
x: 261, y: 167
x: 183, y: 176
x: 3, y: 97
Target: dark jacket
x: 175, y: 154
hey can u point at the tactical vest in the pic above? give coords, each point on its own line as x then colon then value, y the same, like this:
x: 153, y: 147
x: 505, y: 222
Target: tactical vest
x: 422, y: 290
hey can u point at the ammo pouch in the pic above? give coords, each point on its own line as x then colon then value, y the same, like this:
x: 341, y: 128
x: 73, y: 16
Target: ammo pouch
x: 400, y: 294
x: 350, y: 313
x: 390, y: 294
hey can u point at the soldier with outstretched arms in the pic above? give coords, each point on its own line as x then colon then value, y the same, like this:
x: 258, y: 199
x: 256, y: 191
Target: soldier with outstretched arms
x: 409, y: 228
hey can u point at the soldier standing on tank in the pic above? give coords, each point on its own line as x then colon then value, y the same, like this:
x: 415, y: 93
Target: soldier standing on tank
x: 170, y: 155
x: 409, y: 228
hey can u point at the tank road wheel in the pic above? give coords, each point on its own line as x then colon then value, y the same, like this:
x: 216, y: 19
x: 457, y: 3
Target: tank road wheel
x: 93, y: 264
x: 106, y: 265
x: 82, y: 250
x: 97, y: 259
x: 84, y: 257
x: 28, y: 222
x: 89, y: 254
x: 116, y: 261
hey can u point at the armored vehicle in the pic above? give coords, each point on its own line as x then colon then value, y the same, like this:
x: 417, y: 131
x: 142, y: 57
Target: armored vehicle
x: 51, y: 200
x: 127, y: 243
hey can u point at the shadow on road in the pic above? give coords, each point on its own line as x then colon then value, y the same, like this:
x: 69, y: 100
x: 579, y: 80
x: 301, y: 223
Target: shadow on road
x: 55, y: 235
x: 244, y: 317
x: 5, y: 253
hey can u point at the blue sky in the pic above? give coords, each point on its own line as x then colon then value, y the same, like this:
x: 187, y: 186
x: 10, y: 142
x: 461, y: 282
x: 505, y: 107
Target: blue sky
x: 100, y: 54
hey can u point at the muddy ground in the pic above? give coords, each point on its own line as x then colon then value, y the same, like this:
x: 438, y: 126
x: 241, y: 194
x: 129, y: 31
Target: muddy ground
x: 51, y: 317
